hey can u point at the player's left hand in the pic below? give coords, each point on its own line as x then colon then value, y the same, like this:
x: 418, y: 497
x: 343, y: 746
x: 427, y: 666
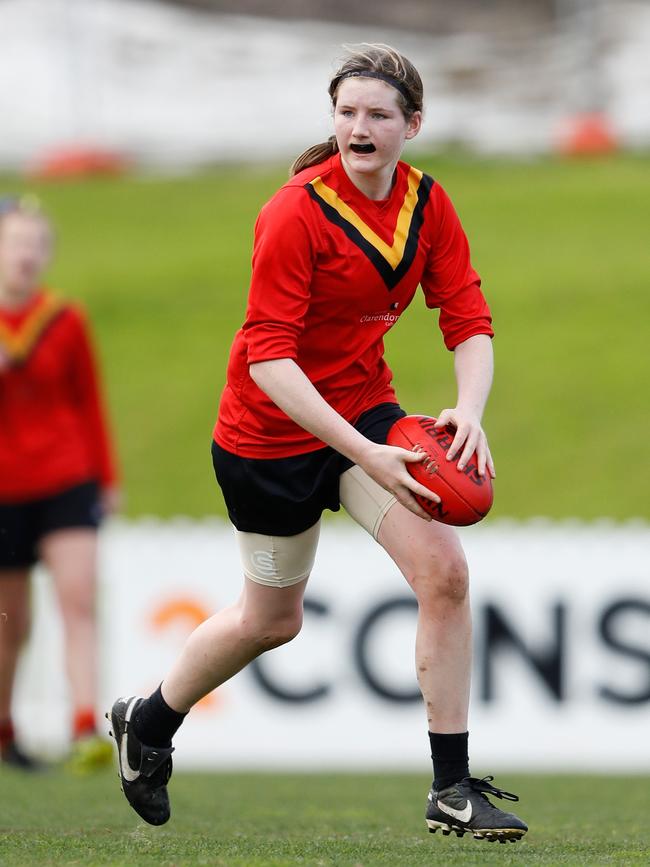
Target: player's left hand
x: 470, y: 437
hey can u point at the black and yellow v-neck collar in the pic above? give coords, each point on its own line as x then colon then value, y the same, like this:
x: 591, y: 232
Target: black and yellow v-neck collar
x: 392, y: 262
x: 17, y: 343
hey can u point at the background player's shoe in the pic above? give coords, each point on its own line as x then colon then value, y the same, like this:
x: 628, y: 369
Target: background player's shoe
x: 12, y: 755
x: 465, y: 807
x: 88, y: 754
x: 144, y: 771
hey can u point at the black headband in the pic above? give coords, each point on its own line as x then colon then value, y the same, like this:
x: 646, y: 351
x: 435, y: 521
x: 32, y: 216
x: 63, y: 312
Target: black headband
x: 394, y: 82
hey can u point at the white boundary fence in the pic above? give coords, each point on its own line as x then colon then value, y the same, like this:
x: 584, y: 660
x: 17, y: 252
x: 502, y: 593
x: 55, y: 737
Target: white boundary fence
x: 176, y: 87
x: 562, y: 622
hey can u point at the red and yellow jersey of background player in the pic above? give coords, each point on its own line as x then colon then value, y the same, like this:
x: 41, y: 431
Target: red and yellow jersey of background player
x: 53, y: 432
x: 332, y: 272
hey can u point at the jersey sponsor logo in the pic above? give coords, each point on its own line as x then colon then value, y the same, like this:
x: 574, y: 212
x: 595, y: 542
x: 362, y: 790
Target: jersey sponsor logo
x: 392, y: 262
x: 385, y: 317
x: 463, y: 815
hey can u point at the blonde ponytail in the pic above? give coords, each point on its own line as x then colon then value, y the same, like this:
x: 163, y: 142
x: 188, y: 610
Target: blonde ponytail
x: 314, y: 155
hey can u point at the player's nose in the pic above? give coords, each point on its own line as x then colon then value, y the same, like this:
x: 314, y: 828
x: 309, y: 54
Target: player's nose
x: 360, y: 128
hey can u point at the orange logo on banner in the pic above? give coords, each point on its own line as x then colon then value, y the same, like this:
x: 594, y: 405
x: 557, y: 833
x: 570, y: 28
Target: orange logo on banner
x: 187, y: 610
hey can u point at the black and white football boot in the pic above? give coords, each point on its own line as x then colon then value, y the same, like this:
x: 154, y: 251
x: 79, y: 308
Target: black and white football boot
x: 144, y: 771
x: 464, y: 807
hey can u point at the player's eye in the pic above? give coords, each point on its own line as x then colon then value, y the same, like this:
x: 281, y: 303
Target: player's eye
x: 379, y: 116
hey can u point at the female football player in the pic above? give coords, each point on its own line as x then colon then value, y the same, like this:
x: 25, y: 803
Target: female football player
x: 57, y: 474
x: 338, y: 255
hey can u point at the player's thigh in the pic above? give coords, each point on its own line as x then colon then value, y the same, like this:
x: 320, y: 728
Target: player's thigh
x: 277, y: 561
x: 67, y: 523
x: 364, y: 499
x: 14, y: 605
x: 276, y: 569
x: 429, y: 554
x: 70, y: 556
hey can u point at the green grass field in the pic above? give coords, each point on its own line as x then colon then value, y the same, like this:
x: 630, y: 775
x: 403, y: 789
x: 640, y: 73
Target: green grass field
x: 163, y: 266
x: 344, y: 821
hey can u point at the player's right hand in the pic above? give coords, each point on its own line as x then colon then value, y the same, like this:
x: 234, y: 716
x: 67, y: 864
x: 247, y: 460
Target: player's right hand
x: 387, y: 466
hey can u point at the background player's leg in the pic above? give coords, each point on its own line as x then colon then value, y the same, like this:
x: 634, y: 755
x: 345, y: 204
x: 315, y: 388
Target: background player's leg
x: 14, y: 628
x: 263, y: 618
x: 70, y: 556
x: 431, y: 558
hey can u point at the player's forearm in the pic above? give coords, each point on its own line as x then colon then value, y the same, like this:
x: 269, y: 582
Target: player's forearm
x: 288, y: 387
x: 474, y: 365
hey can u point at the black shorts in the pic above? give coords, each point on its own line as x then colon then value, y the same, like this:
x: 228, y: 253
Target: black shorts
x: 23, y: 525
x: 286, y: 496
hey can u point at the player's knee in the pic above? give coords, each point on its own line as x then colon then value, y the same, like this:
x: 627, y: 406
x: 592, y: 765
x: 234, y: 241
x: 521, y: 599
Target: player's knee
x: 266, y: 634
x: 453, y: 579
x: 279, y: 634
x: 444, y: 581
x: 77, y: 610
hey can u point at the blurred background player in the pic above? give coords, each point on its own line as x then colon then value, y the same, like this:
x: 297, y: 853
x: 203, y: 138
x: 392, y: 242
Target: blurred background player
x: 339, y: 253
x: 57, y: 473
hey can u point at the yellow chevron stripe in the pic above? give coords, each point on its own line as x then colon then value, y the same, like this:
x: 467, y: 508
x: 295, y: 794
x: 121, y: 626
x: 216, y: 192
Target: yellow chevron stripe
x: 19, y: 344
x: 393, y: 255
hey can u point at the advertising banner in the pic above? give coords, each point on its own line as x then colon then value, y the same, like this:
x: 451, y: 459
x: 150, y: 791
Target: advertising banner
x: 562, y: 650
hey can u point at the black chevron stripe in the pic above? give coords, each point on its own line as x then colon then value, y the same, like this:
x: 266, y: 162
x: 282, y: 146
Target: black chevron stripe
x: 391, y: 276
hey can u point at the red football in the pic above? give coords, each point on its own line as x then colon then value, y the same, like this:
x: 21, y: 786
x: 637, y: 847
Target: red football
x: 465, y: 496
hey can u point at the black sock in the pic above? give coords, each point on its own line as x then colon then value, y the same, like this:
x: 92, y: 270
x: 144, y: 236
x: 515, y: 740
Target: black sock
x: 155, y: 723
x: 450, y: 759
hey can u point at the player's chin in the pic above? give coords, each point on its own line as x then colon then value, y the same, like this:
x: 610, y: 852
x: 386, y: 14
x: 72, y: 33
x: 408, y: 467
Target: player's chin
x: 363, y: 160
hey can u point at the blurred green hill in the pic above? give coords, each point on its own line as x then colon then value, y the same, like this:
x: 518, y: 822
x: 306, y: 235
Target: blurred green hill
x: 163, y: 265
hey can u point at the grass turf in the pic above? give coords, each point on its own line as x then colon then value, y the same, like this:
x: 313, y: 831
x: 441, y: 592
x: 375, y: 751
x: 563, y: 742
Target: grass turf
x: 353, y: 820
x: 163, y: 265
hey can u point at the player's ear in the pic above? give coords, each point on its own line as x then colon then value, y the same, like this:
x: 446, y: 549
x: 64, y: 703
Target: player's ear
x: 413, y: 125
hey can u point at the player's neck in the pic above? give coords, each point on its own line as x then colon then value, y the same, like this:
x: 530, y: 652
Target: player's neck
x: 375, y: 185
x: 15, y: 297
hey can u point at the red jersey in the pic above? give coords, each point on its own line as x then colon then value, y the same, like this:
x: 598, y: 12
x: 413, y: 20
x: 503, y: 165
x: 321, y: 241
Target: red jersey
x: 333, y: 271
x: 52, y: 429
